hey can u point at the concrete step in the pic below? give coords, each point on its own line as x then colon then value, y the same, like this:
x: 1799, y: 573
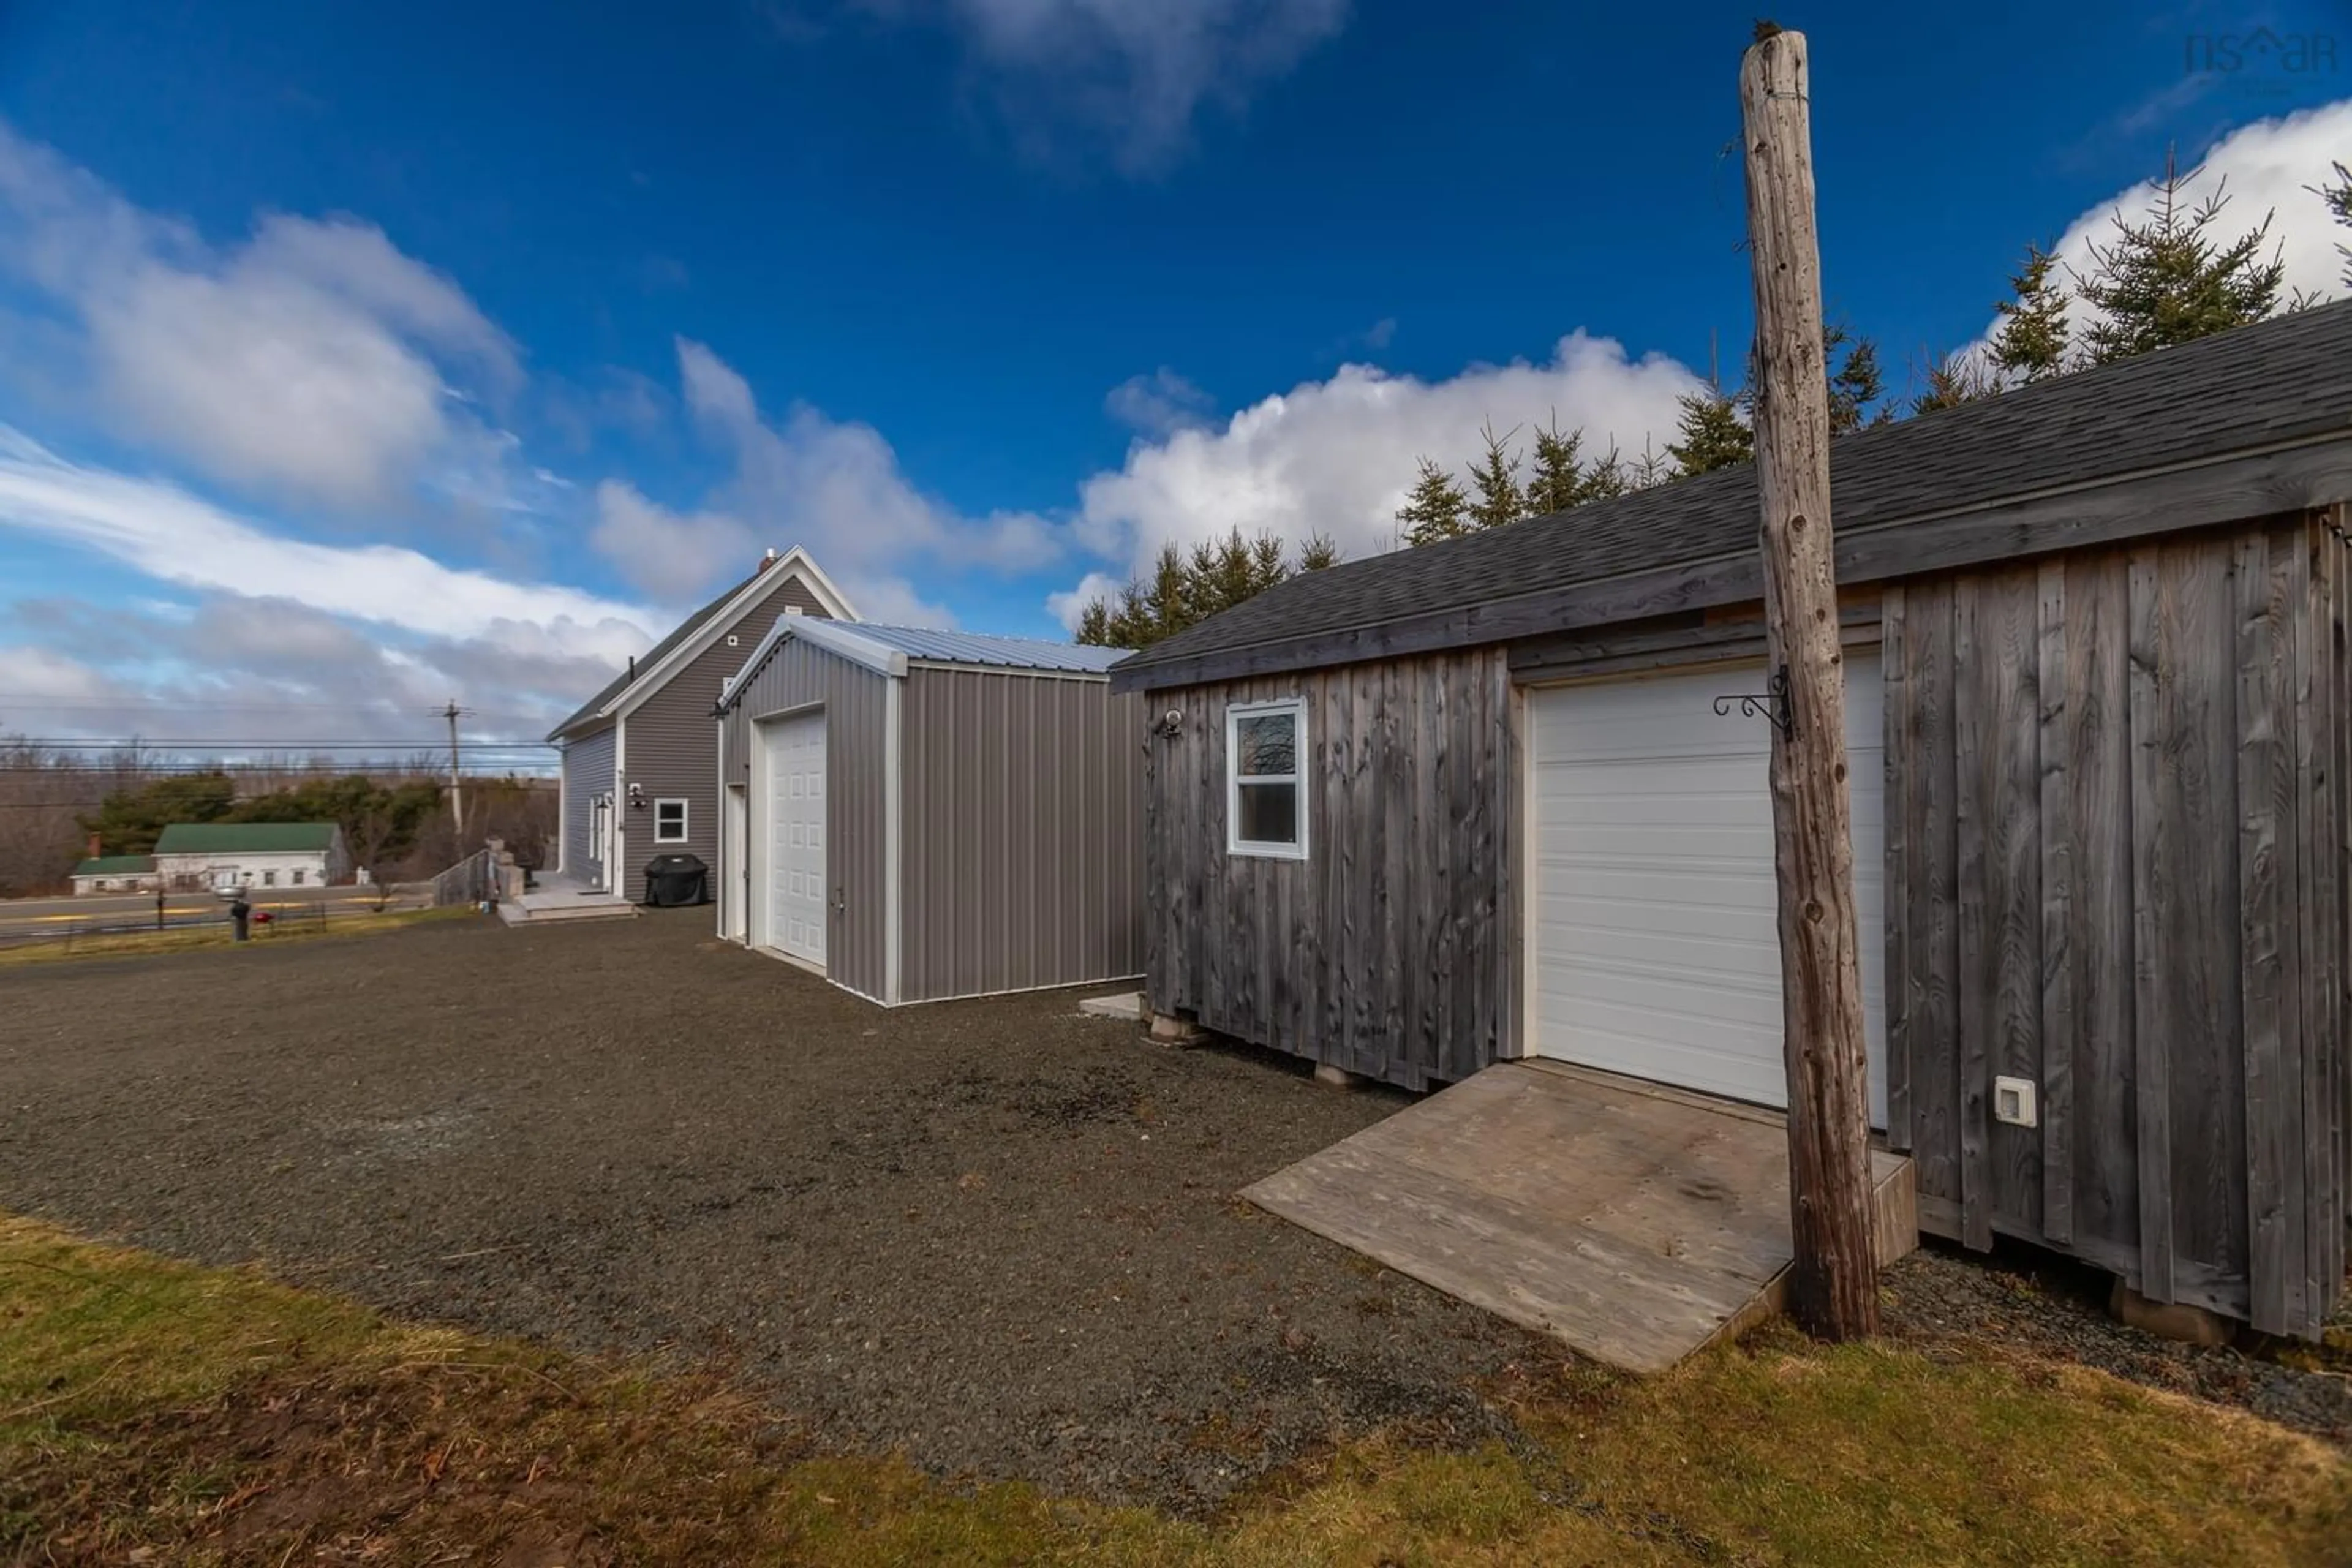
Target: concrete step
x: 521, y: 914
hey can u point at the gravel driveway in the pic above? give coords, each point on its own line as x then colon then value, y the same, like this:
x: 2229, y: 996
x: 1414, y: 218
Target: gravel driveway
x: 995, y: 1235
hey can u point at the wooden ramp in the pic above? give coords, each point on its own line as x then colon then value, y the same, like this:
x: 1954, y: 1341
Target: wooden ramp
x: 1637, y: 1223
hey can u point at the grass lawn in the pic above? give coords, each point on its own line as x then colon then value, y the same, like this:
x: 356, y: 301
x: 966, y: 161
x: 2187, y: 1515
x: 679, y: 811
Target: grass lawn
x: 189, y: 939
x: 151, y: 1411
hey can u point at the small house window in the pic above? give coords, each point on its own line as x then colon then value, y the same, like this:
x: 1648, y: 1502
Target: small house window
x: 669, y: 822
x: 1265, y: 809
x: 298, y: 876
x: 270, y: 878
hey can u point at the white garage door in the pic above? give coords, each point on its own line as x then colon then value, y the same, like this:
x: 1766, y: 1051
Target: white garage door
x: 792, y: 890
x: 1657, y: 950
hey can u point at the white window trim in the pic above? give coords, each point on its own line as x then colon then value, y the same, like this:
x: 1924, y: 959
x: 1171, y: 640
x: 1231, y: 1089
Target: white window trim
x: 685, y: 813
x: 1234, y: 843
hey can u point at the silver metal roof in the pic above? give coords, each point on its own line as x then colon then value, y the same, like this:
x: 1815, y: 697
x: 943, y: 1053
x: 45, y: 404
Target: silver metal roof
x: 976, y: 648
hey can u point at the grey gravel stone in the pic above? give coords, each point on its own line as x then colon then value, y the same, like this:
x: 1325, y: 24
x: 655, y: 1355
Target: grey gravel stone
x: 996, y: 1236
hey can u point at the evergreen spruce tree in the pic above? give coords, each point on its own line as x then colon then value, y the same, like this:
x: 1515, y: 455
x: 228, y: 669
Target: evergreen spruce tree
x: 1436, y: 508
x: 1559, y: 481
x: 1855, y: 385
x: 1496, y: 479
x: 1604, y: 477
x: 1953, y: 381
x: 1187, y: 588
x: 2338, y: 197
x: 1711, y: 436
x: 2169, y: 280
x: 2032, y: 342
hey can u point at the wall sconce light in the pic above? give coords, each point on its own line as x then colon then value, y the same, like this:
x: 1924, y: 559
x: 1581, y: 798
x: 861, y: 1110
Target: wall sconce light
x: 1172, y: 723
x: 637, y: 796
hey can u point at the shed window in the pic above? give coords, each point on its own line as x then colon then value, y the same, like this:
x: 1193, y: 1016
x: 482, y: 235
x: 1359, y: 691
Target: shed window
x: 1265, y: 809
x: 669, y: 822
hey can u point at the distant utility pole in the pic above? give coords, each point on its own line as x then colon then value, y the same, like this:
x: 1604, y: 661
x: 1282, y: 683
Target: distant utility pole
x: 1834, y: 1285
x: 456, y: 803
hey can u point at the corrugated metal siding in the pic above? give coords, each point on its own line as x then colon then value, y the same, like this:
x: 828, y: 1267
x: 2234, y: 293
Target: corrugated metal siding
x: 673, y: 748
x: 587, y: 773
x: 1024, y: 853
x: 856, y: 702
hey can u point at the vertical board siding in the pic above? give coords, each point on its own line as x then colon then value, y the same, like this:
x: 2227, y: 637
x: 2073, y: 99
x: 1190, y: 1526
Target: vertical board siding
x: 799, y: 674
x: 1025, y: 852
x: 1387, y: 950
x: 2120, y: 866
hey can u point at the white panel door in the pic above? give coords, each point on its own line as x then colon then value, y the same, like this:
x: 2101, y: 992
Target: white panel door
x: 1655, y: 947
x: 793, y: 885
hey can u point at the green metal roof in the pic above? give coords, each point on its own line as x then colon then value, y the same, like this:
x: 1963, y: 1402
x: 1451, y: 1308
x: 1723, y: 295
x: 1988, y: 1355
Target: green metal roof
x: 244, y: 837
x: 115, y: 866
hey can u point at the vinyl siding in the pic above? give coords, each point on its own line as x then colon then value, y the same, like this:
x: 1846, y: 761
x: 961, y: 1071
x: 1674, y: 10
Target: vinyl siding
x: 587, y: 773
x: 796, y: 675
x: 672, y: 741
x: 1023, y: 850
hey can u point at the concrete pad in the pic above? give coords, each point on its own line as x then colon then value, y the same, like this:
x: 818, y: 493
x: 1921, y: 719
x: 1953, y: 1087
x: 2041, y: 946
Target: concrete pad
x: 1126, y: 1005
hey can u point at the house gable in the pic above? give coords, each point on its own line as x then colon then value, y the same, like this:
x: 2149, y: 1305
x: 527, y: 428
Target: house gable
x: 795, y: 575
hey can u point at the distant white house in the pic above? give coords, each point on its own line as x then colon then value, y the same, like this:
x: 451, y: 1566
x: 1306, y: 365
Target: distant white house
x: 116, y: 874
x: 227, y: 855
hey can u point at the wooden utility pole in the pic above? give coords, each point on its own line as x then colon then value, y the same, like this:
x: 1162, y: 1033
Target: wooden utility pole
x: 1834, y: 1286
x: 456, y: 803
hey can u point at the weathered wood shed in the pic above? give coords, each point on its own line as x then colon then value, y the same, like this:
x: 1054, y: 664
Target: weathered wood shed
x: 1422, y: 812
x: 920, y: 815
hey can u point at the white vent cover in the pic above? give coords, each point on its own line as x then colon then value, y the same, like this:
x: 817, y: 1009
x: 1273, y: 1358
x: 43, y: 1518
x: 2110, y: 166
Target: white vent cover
x: 2013, y: 1102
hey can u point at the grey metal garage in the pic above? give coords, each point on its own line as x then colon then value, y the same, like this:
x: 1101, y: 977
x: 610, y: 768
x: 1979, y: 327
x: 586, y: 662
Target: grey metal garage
x: 920, y: 815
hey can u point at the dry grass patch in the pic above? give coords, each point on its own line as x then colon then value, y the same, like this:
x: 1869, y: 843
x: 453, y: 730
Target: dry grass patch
x: 204, y: 1415
x: 190, y: 939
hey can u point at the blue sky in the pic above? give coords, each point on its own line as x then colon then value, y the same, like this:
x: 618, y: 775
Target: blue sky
x: 352, y: 358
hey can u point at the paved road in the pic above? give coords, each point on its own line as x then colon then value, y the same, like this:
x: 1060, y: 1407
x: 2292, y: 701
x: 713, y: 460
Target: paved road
x: 21, y: 917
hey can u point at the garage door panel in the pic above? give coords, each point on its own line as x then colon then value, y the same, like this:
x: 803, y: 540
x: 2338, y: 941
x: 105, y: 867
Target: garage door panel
x: 1750, y: 1073
x: 1655, y: 946
x: 1712, y: 1016
x: 794, y: 913
x: 1581, y: 923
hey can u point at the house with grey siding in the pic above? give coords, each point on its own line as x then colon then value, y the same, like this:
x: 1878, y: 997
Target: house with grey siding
x: 637, y: 768
x: 918, y: 815
x: 1498, y: 798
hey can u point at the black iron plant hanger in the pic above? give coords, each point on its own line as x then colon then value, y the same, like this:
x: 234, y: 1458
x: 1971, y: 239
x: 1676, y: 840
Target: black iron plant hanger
x: 1771, y: 704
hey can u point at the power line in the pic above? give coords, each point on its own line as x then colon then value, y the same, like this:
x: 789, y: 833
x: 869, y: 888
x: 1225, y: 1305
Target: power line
x: 109, y: 704
x: 426, y: 744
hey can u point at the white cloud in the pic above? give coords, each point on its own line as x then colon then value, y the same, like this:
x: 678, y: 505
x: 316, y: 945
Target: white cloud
x: 832, y: 486
x: 672, y: 556
x: 2267, y: 166
x: 1138, y: 68
x: 313, y: 360
x: 166, y: 533
x: 1068, y: 604
x: 1335, y: 456
x: 1159, y: 404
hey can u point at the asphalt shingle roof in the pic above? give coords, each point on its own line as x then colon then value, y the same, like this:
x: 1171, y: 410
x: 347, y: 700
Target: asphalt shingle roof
x: 2275, y: 381
x: 244, y: 837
